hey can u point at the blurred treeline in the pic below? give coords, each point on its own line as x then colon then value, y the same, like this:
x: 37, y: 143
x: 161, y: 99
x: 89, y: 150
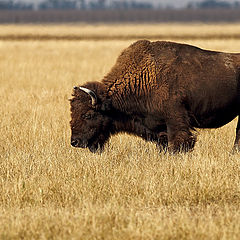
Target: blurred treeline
x: 104, y: 4
x: 50, y: 11
x: 120, y: 15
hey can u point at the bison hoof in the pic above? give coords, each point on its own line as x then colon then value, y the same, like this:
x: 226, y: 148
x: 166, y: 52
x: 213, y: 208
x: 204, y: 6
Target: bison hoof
x: 182, y: 146
x: 162, y: 143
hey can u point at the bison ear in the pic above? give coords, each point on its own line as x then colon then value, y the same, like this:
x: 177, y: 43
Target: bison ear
x: 106, y: 105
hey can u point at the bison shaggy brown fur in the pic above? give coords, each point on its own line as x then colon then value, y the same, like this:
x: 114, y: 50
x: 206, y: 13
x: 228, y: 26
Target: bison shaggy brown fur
x: 160, y: 91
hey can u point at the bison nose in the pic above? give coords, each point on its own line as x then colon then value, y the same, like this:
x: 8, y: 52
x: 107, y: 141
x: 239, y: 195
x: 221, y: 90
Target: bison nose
x: 74, y: 143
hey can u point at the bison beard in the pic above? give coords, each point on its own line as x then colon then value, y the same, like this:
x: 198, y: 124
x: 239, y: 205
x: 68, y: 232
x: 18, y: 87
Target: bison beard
x: 97, y: 145
x: 159, y: 91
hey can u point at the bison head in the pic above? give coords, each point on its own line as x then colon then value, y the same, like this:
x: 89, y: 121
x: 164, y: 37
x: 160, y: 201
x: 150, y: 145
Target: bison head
x: 90, y: 124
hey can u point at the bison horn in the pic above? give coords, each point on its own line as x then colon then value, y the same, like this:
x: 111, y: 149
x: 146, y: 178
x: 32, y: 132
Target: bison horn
x: 91, y: 93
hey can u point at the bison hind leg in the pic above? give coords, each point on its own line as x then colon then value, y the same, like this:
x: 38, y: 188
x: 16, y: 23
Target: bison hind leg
x: 236, y: 148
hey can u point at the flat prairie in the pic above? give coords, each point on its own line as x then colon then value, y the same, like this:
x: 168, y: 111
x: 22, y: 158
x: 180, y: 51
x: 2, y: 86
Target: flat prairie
x: 49, y: 190
x: 130, y: 32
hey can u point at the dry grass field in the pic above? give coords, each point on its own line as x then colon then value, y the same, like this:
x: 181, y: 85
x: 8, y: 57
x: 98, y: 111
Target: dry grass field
x: 49, y: 190
x: 121, y: 32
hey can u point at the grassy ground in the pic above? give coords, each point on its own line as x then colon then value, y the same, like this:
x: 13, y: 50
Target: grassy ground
x: 49, y: 190
x: 124, y: 32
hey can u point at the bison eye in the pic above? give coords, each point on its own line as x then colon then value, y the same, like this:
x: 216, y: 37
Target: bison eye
x: 86, y: 116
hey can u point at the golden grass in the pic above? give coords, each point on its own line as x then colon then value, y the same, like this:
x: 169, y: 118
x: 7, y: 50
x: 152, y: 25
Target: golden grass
x: 49, y: 190
x: 118, y: 31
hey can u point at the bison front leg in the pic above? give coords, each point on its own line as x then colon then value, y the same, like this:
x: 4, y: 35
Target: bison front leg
x: 236, y: 147
x: 162, y: 141
x: 180, y: 138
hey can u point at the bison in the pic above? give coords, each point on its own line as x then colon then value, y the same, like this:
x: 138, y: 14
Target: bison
x: 160, y: 91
